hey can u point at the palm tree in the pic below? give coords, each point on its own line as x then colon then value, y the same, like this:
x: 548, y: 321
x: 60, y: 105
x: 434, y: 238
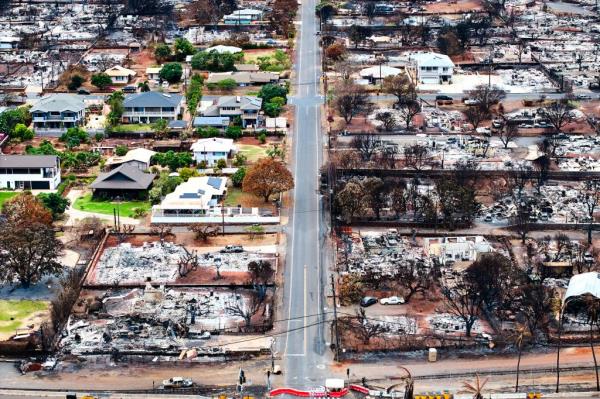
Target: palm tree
x: 593, y: 313
x: 521, y: 333
x: 476, y: 388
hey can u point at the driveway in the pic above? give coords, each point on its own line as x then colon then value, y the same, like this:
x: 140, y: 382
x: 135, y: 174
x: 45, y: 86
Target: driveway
x: 75, y: 215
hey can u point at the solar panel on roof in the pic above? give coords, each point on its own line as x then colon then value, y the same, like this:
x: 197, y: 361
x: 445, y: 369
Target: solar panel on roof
x: 214, y: 182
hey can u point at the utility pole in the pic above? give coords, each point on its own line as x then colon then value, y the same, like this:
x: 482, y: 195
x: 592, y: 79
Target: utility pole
x: 335, y: 322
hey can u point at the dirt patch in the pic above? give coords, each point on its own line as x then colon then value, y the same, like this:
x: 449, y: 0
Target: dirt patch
x: 454, y: 6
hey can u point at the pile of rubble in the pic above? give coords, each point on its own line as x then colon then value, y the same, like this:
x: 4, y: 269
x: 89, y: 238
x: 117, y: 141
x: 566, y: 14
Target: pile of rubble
x: 157, y: 262
x: 549, y: 204
x: 152, y: 319
x: 445, y: 323
x: 382, y: 253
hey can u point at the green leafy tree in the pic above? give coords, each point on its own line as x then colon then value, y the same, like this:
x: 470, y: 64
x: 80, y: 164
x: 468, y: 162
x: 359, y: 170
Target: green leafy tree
x: 162, y: 52
x: 45, y: 148
x: 22, y: 132
x: 101, y: 80
x: 186, y: 173
x: 10, y: 118
x: 272, y: 109
x: 227, y: 84
x: 208, y: 132
x: 183, y: 48
x: 215, y: 62
x: 121, y: 150
x: 233, y: 132
x: 193, y: 95
x: 74, y: 137
x: 221, y: 163
x: 171, y: 72
x: 270, y: 91
x: 144, y: 86
x: 160, y: 127
x: 238, y: 177
x: 76, y: 82
x: 115, y: 102
x: 56, y: 204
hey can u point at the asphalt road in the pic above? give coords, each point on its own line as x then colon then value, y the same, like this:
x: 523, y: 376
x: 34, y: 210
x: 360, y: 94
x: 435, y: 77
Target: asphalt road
x: 304, y: 346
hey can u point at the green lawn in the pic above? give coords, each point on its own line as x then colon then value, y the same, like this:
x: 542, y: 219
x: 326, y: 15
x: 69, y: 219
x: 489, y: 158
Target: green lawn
x: 253, y: 152
x: 87, y: 204
x: 133, y: 127
x: 5, y: 195
x: 233, y: 197
x: 13, y: 313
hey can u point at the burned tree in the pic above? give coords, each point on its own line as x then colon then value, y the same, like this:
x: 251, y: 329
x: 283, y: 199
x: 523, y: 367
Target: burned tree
x: 388, y: 120
x: 415, y: 156
x: 536, y: 307
x: 414, y: 277
x: 475, y: 115
x: 507, y: 132
x: 187, y: 263
x: 591, y: 200
x: 161, y: 230
x: 366, y: 145
x: 485, y: 96
x: 247, y: 310
x: 558, y: 114
x: 351, y: 100
x: 261, y: 271
x: 493, y: 275
x: 375, y: 194
x: 349, y: 200
x: 204, y: 231
x: 400, y: 86
x: 367, y: 329
x: 408, y: 111
x: 464, y: 300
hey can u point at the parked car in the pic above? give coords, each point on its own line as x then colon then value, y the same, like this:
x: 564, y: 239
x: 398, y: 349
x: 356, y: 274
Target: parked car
x: 177, y: 382
x: 231, y: 249
x: 471, y: 101
x: 83, y: 92
x: 129, y: 89
x: 392, y: 300
x: 368, y: 301
x: 443, y: 98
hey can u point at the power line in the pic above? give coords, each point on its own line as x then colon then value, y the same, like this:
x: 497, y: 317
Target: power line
x: 266, y: 335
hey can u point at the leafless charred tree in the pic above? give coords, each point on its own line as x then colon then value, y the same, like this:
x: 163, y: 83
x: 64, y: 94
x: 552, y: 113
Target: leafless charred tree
x: 415, y: 156
x: 187, y: 263
x: 464, y: 300
x: 204, y: 231
x: 367, y: 329
x: 507, y: 132
x: 62, y: 305
x: 558, y: 114
x: 351, y: 100
x: 375, y: 194
x: 161, y: 230
x: 388, y: 120
x: 124, y: 232
x: 246, y: 310
x: 486, y: 96
x: 414, y: 277
x: 398, y: 199
x: 388, y: 156
x: 261, y: 271
x: 536, y: 307
x: 475, y: 115
x: 408, y: 111
x: 591, y: 200
x: 493, y: 274
x: 367, y: 145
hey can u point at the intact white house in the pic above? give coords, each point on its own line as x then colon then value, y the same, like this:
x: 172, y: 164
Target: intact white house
x: 465, y: 248
x: 29, y: 172
x: 432, y: 68
x: 138, y: 157
x: 376, y: 73
x: 120, y: 75
x: 213, y: 149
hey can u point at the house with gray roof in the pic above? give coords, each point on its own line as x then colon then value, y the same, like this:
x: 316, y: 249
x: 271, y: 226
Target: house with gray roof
x: 246, y: 107
x: 29, y: 172
x: 150, y: 106
x: 58, y: 112
x: 126, y: 181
